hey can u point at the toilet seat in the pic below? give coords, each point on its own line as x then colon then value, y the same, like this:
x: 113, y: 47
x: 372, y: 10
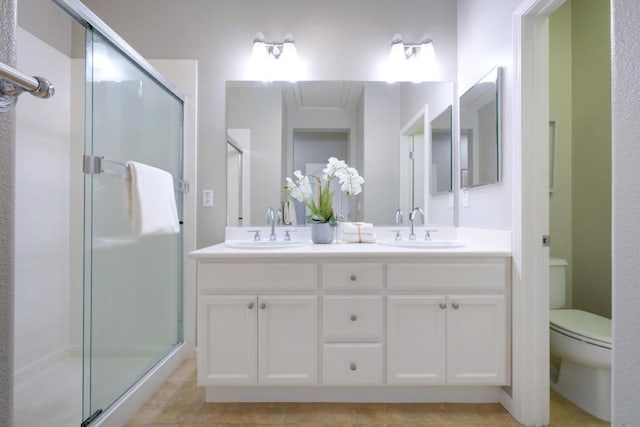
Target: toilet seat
x: 581, y: 325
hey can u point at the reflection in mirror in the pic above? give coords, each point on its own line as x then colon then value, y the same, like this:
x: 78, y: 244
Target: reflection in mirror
x: 442, y: 153
x: 236, y: 186
x: 480, y: 132
x: 426, y: 162
x: 296, y: 126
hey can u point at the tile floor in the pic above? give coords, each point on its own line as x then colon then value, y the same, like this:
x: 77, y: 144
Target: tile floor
x: 178, y: 402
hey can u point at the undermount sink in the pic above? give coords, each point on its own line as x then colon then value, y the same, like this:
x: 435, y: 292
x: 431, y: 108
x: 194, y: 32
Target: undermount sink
x: 423, y: 244
x: 264, y: 244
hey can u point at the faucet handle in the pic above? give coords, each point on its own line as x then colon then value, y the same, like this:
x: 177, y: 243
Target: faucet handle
x: 256, y: 237
x: 398, y: 236
x: 427, y: 234
x: 287, y: 234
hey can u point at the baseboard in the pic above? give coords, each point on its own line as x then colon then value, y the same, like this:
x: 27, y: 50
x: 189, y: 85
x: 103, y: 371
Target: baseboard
x: 407, y: 394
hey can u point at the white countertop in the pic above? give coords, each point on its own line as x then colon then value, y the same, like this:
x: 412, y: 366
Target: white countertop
x: 347, y: 250
x: 477, y: 243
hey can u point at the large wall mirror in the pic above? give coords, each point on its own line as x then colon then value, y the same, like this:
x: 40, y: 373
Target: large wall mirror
x: 480, y: 138
x: 276, y: 128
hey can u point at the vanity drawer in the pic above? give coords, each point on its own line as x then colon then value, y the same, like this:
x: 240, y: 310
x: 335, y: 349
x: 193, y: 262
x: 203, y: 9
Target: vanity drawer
x: 352, y: 317
x: 257, y: 276
x: 352, y: 276
x: 352, y: 364
x: 448, y: 276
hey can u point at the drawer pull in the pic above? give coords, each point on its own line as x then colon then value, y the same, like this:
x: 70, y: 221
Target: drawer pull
x: 443, y: 305
x: 354, y: 317
x: 263, y: 305
x: 455, y: 305
x: 250, y: 306
x: 353, y: 366
x: 353, y: 277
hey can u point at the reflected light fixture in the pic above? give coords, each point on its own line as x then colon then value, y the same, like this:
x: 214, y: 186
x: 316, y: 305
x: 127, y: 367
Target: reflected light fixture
x: 414, y: 62
x: 275, y: 60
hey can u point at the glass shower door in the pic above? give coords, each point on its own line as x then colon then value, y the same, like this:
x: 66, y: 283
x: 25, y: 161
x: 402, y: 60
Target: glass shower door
x: 132, y: 285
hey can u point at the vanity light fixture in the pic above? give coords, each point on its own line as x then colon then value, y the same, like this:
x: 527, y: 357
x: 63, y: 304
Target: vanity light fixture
x: 414, y: 62
x: 274, y: 60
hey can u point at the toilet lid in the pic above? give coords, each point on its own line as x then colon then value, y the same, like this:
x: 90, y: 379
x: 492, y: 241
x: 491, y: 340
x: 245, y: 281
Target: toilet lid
x: 582, y: 323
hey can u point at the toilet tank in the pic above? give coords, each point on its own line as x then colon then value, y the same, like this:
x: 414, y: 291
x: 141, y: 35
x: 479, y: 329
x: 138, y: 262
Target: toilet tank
x: 557, y: 282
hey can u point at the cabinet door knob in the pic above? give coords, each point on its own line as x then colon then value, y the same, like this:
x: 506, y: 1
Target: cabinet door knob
x: 354, y: 317
x: 353, y: 366
x: 443, y: 305
x: 263, y: 305
x: 353, y: 277
x: 455, y: 305
x: 250, y: 305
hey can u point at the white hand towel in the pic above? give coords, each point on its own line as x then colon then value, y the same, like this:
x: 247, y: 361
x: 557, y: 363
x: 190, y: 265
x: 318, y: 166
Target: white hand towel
x: 288, y: 212
x: 153, y: 202
x: 358, y: 232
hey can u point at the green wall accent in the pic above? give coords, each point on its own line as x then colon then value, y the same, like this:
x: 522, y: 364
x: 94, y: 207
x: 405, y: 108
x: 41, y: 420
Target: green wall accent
x: 580, y: 104
x: 591, y: 75
x: 560, y: 112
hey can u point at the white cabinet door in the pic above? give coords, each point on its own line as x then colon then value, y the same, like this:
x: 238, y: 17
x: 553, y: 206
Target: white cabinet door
x: 288, y: 340
x: 476, y: 340
x: 416, y: 339
x: 227, y: 338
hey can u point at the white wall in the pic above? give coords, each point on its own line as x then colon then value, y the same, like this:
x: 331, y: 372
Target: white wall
x: 42, y: 208
x: 626, y: 205
x: 484, y: 42
x: 335, y: 39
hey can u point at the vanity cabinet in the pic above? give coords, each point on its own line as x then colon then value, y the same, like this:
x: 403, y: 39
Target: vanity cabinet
x: 307, y: 327
x: 416, y: 339
x: 443, y: 339
x: 251, y: 338
x: 352, y: 323
x: 447, y: 322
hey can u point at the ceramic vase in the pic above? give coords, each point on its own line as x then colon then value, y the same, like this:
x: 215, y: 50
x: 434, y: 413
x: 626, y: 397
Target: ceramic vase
x: 321, y: 232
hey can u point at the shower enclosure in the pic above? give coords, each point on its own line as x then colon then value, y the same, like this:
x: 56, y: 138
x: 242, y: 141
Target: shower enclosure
x: 132, y: 286
x: 97, y: 307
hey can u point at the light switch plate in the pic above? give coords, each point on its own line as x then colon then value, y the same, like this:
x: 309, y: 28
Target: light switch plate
x: 207, y: 198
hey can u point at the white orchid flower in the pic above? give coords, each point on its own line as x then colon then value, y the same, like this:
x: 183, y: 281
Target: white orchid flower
x: 320, y: 204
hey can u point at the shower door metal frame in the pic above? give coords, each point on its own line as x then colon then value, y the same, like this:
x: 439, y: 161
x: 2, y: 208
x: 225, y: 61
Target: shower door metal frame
x: 85, y: 17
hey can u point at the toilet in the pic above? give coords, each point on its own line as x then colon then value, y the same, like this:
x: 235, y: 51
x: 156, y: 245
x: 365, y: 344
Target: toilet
x: 580, y: 350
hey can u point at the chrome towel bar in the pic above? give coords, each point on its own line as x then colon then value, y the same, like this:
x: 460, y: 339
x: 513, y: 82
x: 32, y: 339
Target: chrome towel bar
x: 97, y: 164
x: 13, y: 82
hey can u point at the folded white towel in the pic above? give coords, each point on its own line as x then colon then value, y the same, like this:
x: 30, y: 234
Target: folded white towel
x: 153, y: 202
x: 358, y: 232
x: 288, y: 212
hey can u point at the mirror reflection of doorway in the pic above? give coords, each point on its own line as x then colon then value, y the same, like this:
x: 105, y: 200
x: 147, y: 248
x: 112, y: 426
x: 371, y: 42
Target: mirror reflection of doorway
x: 311, y: 150
x: 238, y: 179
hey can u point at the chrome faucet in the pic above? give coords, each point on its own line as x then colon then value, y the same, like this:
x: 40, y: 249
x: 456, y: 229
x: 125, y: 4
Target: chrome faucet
x: 412, y: 218
x: 399, y: 217
x: 399, y: 221
x: 272, y: 217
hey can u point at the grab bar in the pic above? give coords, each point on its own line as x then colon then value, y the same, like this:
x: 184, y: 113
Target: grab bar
x: 14, y: 82
x: 97, y: 164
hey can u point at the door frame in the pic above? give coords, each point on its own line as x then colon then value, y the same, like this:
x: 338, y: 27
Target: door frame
x: 528, y: 398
